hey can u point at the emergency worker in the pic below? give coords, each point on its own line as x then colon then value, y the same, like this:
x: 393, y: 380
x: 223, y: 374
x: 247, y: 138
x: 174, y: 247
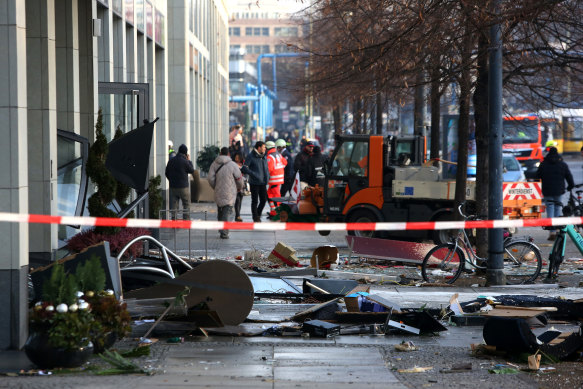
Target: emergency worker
x: 276, y: 165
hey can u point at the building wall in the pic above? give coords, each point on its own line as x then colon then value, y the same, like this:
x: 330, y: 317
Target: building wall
x: 198, y: 62
x: 50, y: 71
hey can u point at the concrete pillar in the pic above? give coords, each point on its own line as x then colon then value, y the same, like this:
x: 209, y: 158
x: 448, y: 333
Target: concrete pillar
x: 42, y: 123
x: 67, y: 52
x: 178, y: 67
x: 160, y: 100
x: 88, y: 65
x: 14, y: 174
x: 105, y: 48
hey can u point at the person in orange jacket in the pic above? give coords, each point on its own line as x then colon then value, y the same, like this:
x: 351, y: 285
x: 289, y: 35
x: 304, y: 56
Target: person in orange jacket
x: 276, y: 164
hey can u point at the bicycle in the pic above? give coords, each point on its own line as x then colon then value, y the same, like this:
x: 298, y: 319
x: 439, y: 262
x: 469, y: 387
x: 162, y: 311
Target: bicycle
x: 574, y: 205
x: 445, y: 262
x: 557, y: 253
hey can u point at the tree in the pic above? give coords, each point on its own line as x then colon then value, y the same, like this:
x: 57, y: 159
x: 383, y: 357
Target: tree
x: 360, y: 47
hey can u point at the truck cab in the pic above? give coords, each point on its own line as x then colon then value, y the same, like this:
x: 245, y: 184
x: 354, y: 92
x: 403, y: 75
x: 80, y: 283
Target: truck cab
x: 359, y: 182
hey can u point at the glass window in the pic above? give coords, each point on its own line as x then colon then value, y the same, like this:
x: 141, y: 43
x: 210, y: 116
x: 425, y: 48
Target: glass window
x: 248, y: 31
x: 71, y: 179
x: 257, y: 31
x: 511, y: 164
x: 573, y: 128
x: 520, y: 131
x: 265, y: 31
x: 341, y: 163
x: 265, y: 49
x: 277, y: 31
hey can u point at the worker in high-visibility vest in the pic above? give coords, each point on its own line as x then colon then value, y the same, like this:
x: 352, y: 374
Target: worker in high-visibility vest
x: 276, y: 164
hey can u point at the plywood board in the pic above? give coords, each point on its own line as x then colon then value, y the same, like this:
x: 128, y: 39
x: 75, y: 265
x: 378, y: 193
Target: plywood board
x: 221, y: 285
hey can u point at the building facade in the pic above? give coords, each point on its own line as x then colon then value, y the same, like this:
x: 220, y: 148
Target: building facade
x: 64, y: 60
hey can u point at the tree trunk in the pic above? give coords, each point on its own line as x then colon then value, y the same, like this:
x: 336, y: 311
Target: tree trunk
x: 419, y: 105
x: 379, y: 113
x: 435, y: 96
x: 480, y: 99
x: 357, y: 116
x: 336, y: 114
x: 464, y: 122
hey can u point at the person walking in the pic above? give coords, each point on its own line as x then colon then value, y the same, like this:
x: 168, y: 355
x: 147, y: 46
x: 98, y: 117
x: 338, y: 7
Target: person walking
x: 177, y: 170
x: 276, y: 165
x: 288, y: 172
x: 238, y: 159
x: 301, y: 163
x: 255, y: 166
x: 553, y: 172
x: 226, y: 179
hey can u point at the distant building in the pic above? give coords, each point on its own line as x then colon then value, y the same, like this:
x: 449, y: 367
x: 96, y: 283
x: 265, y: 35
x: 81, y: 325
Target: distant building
x: 266, y: 28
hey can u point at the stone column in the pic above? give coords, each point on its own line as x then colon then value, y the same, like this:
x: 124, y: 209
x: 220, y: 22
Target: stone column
x: 42, y: 123
x: 14, y: 174
x: 178, y: 84
x: 67, y: 52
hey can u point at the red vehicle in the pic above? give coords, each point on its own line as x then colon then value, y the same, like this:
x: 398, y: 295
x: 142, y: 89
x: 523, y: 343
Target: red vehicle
x: 523, y: 139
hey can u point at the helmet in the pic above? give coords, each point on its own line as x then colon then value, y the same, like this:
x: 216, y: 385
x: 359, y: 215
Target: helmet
x: 551, y: 143
x: 280, y: 143
x: 170, y: 143
x: 269, y: 144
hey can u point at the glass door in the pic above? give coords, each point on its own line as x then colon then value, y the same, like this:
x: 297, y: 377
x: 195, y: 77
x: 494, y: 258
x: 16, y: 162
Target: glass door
x: 124, y: 106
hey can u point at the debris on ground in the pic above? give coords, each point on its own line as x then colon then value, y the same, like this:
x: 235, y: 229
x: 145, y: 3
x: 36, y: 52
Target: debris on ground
x: 406, y: 346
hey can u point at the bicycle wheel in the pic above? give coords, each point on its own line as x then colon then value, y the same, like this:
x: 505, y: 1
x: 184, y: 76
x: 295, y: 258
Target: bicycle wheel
x: 522, y: 262
x: 443, y: 264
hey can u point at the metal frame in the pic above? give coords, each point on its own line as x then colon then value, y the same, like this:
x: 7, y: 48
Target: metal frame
x: 142, y: 90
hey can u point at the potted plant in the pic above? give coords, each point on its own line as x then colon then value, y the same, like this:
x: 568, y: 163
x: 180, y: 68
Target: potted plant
x: 75, y: 317
x: 60, y: 325
x: 111, y: 317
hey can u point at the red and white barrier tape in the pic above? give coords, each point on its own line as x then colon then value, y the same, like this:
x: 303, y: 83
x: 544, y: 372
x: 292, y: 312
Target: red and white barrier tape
x: 216, y: 225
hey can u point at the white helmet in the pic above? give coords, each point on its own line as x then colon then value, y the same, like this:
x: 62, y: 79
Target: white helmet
x: 170, y: 143
x: 280, y: 143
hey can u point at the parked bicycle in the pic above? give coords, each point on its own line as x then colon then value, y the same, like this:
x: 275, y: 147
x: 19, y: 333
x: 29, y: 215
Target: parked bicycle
x: 574, y: 205
x: 445, y: 262
x: 557, y: 253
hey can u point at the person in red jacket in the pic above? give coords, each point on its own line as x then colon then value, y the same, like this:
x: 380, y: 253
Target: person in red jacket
x: 276, y: 164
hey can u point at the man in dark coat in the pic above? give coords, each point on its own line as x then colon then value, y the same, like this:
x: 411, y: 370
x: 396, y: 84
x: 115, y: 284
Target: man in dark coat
x: 553, y: 172
x: 301, y: 162
x: 177, y: 170
x: 255, y: 166
x: 315, y: 167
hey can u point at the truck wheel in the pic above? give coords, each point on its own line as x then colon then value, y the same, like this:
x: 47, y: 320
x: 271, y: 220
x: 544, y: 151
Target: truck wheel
x: 363, y: 216
x: 443, y: 236
x: 324, y: 232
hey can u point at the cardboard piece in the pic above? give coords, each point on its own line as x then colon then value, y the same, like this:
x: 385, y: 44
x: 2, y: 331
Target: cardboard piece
x: 282, y: 253
x: 534, y: 361
x: 351, y: 299
x: 109, y: 264
x: 324, y: 256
